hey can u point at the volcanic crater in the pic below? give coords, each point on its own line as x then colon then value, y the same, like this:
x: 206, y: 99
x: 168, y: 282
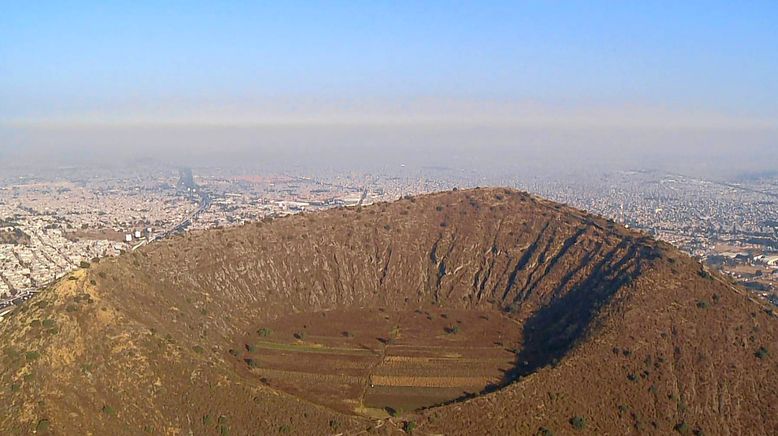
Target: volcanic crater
x: 464, y: 311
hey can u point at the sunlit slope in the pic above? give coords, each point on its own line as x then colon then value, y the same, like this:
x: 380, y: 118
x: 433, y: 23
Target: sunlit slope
x: 611, y: 328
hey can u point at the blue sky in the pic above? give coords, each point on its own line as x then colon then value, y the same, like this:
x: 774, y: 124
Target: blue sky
x: 86, y: 61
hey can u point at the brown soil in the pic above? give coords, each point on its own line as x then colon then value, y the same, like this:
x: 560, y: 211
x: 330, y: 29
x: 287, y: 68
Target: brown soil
x: 353, y: 360
x: 95, y: 235
x: 614, y: 333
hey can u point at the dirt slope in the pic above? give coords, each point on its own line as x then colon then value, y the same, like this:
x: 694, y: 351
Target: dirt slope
x: 621, y: 334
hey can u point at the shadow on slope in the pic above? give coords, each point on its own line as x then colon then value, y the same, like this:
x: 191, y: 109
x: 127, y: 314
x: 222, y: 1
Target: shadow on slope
x: 552, y: 331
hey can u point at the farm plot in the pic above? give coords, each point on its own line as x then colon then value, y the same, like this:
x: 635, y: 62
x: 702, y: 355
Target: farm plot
x: 377, y: 361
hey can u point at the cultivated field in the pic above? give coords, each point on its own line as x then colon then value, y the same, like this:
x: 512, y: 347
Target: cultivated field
x: 378, y: 362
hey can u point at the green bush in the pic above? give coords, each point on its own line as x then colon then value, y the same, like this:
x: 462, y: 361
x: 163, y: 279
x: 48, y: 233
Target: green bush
x: 108, y: 410
x: 409, y: 426
x: 43, y: 426
x: 578, y: 422
x: 702, y: 304
x: 264, y: 332
x: 761, y: 353
x: 84, y: 264
x: 682, y: 427
x: 32, y: 355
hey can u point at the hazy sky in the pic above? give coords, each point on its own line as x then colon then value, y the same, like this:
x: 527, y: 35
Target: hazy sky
x: 609, y: 66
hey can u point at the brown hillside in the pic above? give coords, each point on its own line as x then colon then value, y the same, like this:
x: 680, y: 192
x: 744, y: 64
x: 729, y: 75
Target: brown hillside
x: 484, y: 311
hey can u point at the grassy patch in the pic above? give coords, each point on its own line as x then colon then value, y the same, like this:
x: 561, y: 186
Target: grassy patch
x: 32, y: 355
x: 109, y: 410
x: 312, y: 348
x: 43, y: 426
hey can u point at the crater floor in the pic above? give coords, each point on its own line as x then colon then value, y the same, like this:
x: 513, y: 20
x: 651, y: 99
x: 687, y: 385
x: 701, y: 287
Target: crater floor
x: 380, y: 362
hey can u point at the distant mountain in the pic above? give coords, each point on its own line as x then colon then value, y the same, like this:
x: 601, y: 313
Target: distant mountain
x: 268, y: 328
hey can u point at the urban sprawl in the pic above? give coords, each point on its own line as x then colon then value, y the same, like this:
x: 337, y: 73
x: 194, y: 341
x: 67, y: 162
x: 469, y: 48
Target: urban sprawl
x: 51, y: 226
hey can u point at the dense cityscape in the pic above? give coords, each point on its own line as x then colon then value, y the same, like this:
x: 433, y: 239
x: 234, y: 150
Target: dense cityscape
x: 50, y: 226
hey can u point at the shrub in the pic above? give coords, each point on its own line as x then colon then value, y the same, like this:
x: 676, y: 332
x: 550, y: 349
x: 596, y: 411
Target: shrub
x: 49, y: 323
x: 207, y: 420
x: 394, y: 412
x: 43, y: 426
x: 409, y: 426
x: 108, y: 410
x: 251, y: 363
x: 452, y: 330
x: 761, y: 352
x: 543, y: 431
x: 251, y: 348
x: 84, y: 264
x: 702, y: 304
x: 264, y: 332
x: 198, y: 349
x: 32, y: 355
x: 682, y: 427
x: 300, y: 335
x: 578, y: 422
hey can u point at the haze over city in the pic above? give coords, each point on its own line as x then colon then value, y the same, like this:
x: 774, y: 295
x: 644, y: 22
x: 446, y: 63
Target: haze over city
x: 681, y: 85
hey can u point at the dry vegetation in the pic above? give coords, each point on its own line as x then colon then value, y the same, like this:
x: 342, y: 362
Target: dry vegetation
x: 589, y: 328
